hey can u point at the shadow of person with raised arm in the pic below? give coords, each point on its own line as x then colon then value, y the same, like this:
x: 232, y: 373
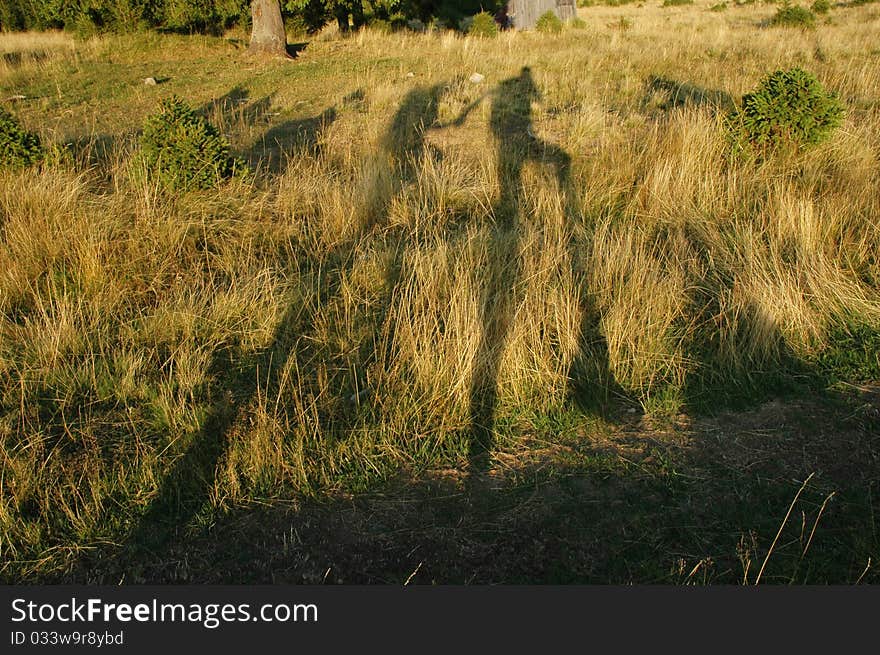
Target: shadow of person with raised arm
x: 159, y: 536
x: 516, y: 144
x: 405, y: 141
x: 404, y: 148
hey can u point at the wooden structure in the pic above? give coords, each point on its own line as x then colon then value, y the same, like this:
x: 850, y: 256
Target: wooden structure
x: 523, y: 14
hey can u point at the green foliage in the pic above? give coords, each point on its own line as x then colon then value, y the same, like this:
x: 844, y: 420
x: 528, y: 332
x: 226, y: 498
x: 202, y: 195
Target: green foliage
x: 577, y: 23
x: 790, y: 15
x: 18, y: 147
x: 380, y: 25
x: 483, y: 25
x: 721, y: 6
x: 549, y: 23
x: 677, y: 3
x: 821, y: 7
x: 87, y: 17
x: 853, y: 354
x: 185, y: 151
x: 789, y: 107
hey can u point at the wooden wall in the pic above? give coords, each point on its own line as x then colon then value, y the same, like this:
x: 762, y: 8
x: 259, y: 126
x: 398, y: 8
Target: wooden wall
x: 523, y: 14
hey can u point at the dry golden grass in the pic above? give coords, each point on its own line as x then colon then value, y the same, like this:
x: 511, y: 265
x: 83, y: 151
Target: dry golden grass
x: 339, y: 310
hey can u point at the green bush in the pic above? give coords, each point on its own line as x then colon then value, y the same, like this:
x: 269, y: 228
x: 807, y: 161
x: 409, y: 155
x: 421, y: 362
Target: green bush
x: 18, y: 147
x: 789, y: 107
x: 549, y: 23
x: 184, y: 150
x: 794, y: 16
x: 677, y: 3
x: 380, y: 25
x: 86, y: 17
x: 483, y: 24
x: 821, y: 7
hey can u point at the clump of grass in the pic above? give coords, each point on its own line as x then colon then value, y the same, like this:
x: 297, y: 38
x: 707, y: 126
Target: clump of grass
x: 789, y: 15
x: 549, y: 23
x: 789, y: 108
x: 577, y: 23
x: 184, y: 150
x: 483, y: 25
x: 677, y: 3
x: 18, y: 147
x: 721, y: 6
x: 821, y: 7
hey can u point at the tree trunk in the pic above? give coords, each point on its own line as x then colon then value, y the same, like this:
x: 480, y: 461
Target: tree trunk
x: 267, y: 36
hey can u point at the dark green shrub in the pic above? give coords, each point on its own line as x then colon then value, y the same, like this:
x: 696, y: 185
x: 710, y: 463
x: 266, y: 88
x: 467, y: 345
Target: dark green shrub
x: 18, y: 147
x: 549, y: 23
x: 380, y: 25
x: 789, y: 107
x: 483, y: 25
x: 821, y: 7
x: 184, y: 150
x: 794, y: 16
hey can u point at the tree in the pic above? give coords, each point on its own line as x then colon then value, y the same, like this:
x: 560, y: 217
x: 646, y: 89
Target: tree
x: 267, y: 34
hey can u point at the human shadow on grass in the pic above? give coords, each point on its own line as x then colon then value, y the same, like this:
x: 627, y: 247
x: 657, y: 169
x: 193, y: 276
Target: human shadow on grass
x: 516, y: 145
x: 630, y: 503
x: 238, y: 379
x: 405, y: 148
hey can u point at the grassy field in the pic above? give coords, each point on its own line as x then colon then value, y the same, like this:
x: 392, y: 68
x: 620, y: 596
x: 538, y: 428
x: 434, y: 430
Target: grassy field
x: 541, y: 328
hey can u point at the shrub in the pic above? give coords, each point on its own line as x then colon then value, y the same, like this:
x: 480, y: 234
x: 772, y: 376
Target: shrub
x: 18, y: 147
x: 184, y: 150
x: 380, y: 25
x: 677, y: 3
x: 794, y: 16
x: 821, y: 7
x: 483, y: 24
x: 549, y: 23
x: 789, y: 107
